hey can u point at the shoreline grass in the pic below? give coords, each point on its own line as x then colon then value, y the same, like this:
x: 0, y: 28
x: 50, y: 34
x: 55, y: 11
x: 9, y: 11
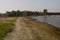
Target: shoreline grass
x: 6, y: 26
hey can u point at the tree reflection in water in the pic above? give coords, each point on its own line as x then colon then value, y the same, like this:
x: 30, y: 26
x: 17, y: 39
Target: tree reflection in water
x: 45, y: 19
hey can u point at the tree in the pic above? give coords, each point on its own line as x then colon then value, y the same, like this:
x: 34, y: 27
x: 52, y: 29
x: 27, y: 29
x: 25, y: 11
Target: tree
x: 45, y: 12
x: 24, y: 13
x: 8, y: 13
x: 13, y: 13
x: 18, y: 13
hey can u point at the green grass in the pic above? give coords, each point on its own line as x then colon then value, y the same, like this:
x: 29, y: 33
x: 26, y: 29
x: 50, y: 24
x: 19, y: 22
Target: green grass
x: 6, y: 27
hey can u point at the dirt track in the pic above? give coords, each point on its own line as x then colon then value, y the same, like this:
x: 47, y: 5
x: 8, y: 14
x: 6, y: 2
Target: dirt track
x: 25, y: 29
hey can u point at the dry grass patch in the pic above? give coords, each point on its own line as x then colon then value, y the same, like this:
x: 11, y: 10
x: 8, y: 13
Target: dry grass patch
x: 6, y: 26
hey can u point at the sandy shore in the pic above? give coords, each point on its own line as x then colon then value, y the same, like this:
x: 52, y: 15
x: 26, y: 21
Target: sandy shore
x: 28, y: 29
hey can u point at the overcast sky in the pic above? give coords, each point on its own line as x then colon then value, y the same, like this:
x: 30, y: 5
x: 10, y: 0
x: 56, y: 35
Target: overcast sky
x: 31, y: 5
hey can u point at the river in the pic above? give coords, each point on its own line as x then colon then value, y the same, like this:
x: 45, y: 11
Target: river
x: 53, y: 19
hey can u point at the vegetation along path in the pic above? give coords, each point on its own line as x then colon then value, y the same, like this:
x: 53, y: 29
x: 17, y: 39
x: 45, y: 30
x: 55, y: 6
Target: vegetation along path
x: 27, y: 29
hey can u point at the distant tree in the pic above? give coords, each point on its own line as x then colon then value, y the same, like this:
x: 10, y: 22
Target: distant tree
x: 13, y: 13
x: 18, y: 13
x: 8, y: 13
x: 45, y: 11
x: 24, y: 13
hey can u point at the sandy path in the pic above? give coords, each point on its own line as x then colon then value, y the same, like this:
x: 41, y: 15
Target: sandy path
x: 19, y: 33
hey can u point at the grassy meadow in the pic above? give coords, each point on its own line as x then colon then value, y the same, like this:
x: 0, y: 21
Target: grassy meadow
x: 6, y: 25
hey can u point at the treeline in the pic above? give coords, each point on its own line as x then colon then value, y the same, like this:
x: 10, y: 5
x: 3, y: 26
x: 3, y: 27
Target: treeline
x: 13, y: 13
x: 53, y: 13
x: 29, y: 13
x: 21, y: 13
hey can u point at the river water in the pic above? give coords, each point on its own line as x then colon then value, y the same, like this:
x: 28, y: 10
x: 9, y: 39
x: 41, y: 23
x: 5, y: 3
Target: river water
x: 53, y: 19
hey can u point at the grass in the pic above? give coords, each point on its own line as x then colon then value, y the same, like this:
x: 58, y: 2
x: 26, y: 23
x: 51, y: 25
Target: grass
x: 6, y: 26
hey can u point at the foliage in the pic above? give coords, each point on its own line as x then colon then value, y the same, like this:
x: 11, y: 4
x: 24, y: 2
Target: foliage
x: 21, y: 13
x: 28, y: 13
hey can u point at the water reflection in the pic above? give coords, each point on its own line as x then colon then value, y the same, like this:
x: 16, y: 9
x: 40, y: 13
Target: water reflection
x: 54, y: 19
x: 45, y: 19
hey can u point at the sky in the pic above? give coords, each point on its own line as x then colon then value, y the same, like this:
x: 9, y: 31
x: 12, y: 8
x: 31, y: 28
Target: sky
x: 30, y: 5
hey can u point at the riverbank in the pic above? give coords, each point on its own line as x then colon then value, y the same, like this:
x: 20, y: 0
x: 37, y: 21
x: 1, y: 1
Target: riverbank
x: 45, y: 30
x: 29, y: 29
